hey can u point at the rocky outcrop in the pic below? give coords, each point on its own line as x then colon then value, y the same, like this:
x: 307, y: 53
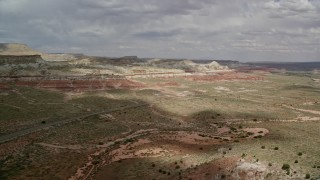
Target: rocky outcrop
x: 250, y: 171
x: 187, y: 65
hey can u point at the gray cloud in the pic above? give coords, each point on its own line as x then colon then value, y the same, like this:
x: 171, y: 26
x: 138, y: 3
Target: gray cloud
x: 157, y: 34
x: 248, y: 30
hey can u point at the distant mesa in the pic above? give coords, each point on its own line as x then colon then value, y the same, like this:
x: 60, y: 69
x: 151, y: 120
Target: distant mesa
x: 10, y: 52
x: 130, y: 57
x: 18, y: 53
x: 15, y: 49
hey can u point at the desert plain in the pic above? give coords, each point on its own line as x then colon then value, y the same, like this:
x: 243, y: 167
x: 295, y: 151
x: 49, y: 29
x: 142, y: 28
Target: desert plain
x: 72, y: 116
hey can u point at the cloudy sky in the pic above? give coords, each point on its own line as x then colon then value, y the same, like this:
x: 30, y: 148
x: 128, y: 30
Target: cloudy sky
x: 245, y: 30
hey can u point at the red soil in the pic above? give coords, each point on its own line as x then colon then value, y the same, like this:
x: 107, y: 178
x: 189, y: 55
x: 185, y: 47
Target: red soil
x: 214, y: 170
x: 168, y: 84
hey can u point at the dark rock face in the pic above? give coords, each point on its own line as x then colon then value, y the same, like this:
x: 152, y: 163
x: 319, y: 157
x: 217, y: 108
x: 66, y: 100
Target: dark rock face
x: 25, y: 59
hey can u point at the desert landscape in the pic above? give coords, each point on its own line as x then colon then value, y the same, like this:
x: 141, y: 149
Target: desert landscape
x: 73, y: 116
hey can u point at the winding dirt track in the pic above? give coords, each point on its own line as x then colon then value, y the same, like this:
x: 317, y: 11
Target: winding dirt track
x: 11, y: 136
x: 303, y: 110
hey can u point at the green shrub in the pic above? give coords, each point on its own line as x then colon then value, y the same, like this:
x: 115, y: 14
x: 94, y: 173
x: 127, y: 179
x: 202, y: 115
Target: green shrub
x: 263, y: 147
x: 130, y: 140
x: 307, y: 176
x: 285, y: 166
x: 96, y: 162
x: 300, y: 154
x: 250, y: 133
x: 276, y: 148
